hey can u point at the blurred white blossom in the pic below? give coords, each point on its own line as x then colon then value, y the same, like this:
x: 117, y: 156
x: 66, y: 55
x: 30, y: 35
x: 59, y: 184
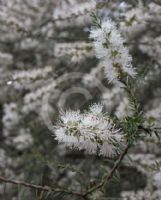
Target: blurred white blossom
x: 157, y: 180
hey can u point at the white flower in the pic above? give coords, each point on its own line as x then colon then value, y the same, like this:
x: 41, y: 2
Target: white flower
x: 107, y: 150
x: 96, y: 108
x: 110, y: 71
x: 92, y: 132
x: 71, y: 116
x: 90, y: 147
x: 61, y: 136
x: 109, y: 47
x: 89, y: 120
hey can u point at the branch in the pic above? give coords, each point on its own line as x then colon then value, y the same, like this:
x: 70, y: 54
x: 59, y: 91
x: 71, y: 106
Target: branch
x: 38, y: 187
x: 106, y: 178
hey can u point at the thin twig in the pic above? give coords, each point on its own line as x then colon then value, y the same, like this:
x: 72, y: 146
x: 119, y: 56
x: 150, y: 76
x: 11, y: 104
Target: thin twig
x: 38, y: 187
x: 106, y: 178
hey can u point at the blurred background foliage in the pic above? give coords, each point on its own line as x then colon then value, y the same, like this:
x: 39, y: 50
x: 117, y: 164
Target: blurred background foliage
x: 47, y: 63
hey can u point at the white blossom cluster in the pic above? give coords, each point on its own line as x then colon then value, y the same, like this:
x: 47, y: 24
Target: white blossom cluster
x: 154, y: 113
x: 91, y: 131
x: 26, y: 80
x: 134, y: 23
x: 32, y: 74
x: 141, y: 195
x: 4, y: 160
x: 22, y: 141
x: 143, y: 162
x: 33, y: 99
x: 94, y: 78
x: 157, y: 180
x: 67, y: 11
x: 152, y: 47
x: 109, y: 47
x: 76, y: 51
x: 10, y: 118
x: 5, y: 59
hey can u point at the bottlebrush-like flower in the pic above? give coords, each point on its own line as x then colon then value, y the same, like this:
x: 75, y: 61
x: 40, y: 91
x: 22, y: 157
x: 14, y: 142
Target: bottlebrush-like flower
x: 109, y: 47
x: 92, y: 131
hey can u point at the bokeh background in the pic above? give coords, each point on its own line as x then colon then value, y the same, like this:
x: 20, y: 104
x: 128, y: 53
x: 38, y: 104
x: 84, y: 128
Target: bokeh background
x: 47, y: 64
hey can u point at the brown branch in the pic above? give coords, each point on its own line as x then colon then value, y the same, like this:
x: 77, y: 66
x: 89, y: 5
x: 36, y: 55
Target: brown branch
x: 104, y: 180
x: 38, y: 187
x: 108, y: 177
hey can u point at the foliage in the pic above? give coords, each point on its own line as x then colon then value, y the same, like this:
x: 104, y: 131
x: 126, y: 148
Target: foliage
x: 85, y: 73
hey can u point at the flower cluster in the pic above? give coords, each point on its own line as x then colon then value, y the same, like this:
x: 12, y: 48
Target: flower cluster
x: 91, y: 131
x: 157, y: 179
x: 109, y: 47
